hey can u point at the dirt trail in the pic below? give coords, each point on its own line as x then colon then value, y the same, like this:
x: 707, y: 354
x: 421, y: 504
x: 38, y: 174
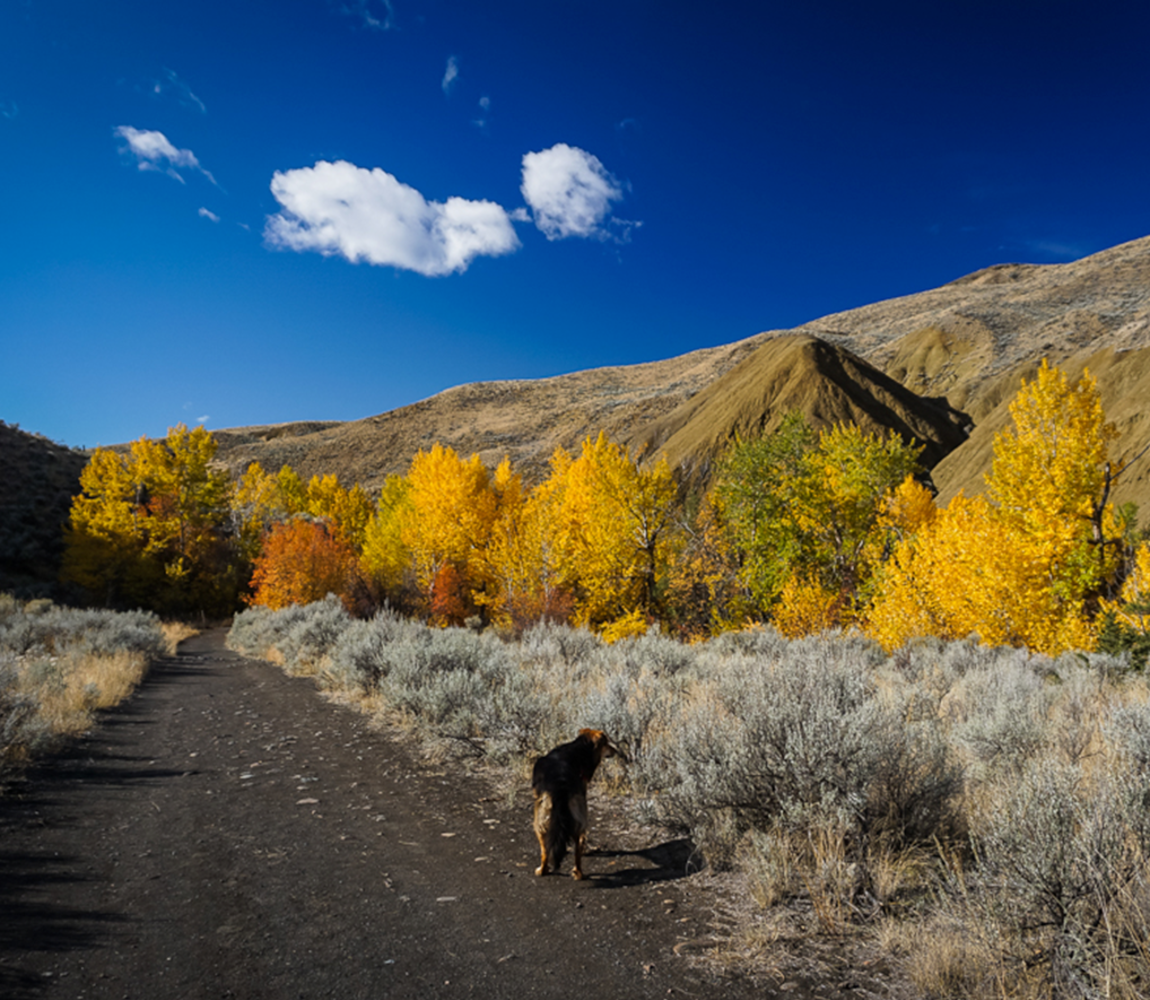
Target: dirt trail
x: 227, y: 833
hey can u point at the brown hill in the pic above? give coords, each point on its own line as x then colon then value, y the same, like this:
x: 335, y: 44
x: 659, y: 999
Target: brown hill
x: 524, y: 420
x: 1124, y: 385
x: 973, y: 340
x: 827, y: 383
x: 970, y: 339
x: 917, y: 364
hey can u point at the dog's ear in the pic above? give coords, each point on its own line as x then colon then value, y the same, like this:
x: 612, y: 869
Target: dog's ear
x: 619, y: 753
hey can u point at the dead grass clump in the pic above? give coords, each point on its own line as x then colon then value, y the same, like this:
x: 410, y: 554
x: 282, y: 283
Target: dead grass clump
x: 943, y: 959
x: 69, y: 690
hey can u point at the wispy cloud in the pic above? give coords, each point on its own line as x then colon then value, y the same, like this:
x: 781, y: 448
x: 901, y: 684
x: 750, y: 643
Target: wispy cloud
x: 369, y: 215
x: 484, y: 113
x: 9, y: 109
x: 153, y: 151
x: 171, y: 85
x: 378, y: 15
x: 207, y: 213
x: 450, y: 74
x: 570, y: 192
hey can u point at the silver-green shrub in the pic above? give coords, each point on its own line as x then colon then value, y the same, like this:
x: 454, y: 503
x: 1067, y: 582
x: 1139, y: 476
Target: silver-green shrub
x: 1033, y: 774
x: 54, y: 631
x: 314, y: 634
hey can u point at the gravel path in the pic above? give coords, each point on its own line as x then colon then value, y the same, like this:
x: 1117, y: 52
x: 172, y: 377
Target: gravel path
x: 228, y: 833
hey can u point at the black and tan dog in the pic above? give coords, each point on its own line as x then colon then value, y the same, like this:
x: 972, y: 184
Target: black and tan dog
x: 559, y: 781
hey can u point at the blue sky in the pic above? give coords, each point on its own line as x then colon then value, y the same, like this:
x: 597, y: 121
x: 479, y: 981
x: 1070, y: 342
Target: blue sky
x: 324, y: 209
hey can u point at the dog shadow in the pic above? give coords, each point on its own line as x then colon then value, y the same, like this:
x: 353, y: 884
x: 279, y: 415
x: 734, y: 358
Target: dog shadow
x: 666, y: 862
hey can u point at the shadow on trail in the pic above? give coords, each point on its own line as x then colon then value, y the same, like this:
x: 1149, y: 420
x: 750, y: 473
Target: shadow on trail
x: 672, y: 860
x: 30, y: 922
x: 49, y: 792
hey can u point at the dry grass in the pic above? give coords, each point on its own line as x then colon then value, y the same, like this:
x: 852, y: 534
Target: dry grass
x: 81, y: 685
x: 942, y: 959
x: 175, y: 633
x: 52, y: 691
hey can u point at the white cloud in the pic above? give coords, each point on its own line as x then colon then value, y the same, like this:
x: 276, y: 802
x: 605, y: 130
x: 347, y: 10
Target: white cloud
x: 369, y: 215
x: 152, y: 151
x: 8, y: 109
x: 569, y: 191
x: 450, y: 74
x: 205, y: 213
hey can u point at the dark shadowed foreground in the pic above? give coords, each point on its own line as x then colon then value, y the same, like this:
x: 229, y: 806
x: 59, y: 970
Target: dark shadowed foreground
x: 227, y: 833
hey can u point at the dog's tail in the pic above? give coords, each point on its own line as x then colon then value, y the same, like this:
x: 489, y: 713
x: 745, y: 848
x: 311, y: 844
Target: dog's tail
x: 561, y: 831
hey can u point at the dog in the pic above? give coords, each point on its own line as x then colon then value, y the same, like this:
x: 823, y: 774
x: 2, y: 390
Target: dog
x: 559, y: 781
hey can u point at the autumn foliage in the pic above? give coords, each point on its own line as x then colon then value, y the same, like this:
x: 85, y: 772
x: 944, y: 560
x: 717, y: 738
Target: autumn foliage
x: 809, y: 530
x: 1027, y: 564
x: 303, y: 561
x: 151, y: 527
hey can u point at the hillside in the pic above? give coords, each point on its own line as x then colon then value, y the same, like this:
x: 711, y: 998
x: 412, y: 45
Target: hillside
x: 40, y: 478
x: 929, y: 365
x: 830, y: 385
x: 940, y: 366
x: 525, y: 420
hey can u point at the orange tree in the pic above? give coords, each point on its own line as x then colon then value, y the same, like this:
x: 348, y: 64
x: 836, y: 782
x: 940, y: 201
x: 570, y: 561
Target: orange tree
x: 303, y: 561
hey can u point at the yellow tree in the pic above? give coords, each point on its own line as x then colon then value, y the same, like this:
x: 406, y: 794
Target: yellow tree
x: 1024, y: 567
x: 151, y: 528
x: 966, y: 572
x: 1051, y: 480
x: 447, y: 528
x: 105, y: 538
x: 385, y: 558
x: 523, y: 556
x: 261, y: 499
x: 612, y: 531
x: 348, y: 508
x: 705, y: 594
x: 187, y: 497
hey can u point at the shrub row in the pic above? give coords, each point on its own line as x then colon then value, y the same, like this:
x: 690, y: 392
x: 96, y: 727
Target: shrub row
x: 813, y: 763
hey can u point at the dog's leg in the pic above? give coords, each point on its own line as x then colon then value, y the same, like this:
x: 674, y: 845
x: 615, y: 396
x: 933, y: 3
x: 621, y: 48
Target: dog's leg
x: 578, y: 805
x: 580, y: 843
x: 542, y: 819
